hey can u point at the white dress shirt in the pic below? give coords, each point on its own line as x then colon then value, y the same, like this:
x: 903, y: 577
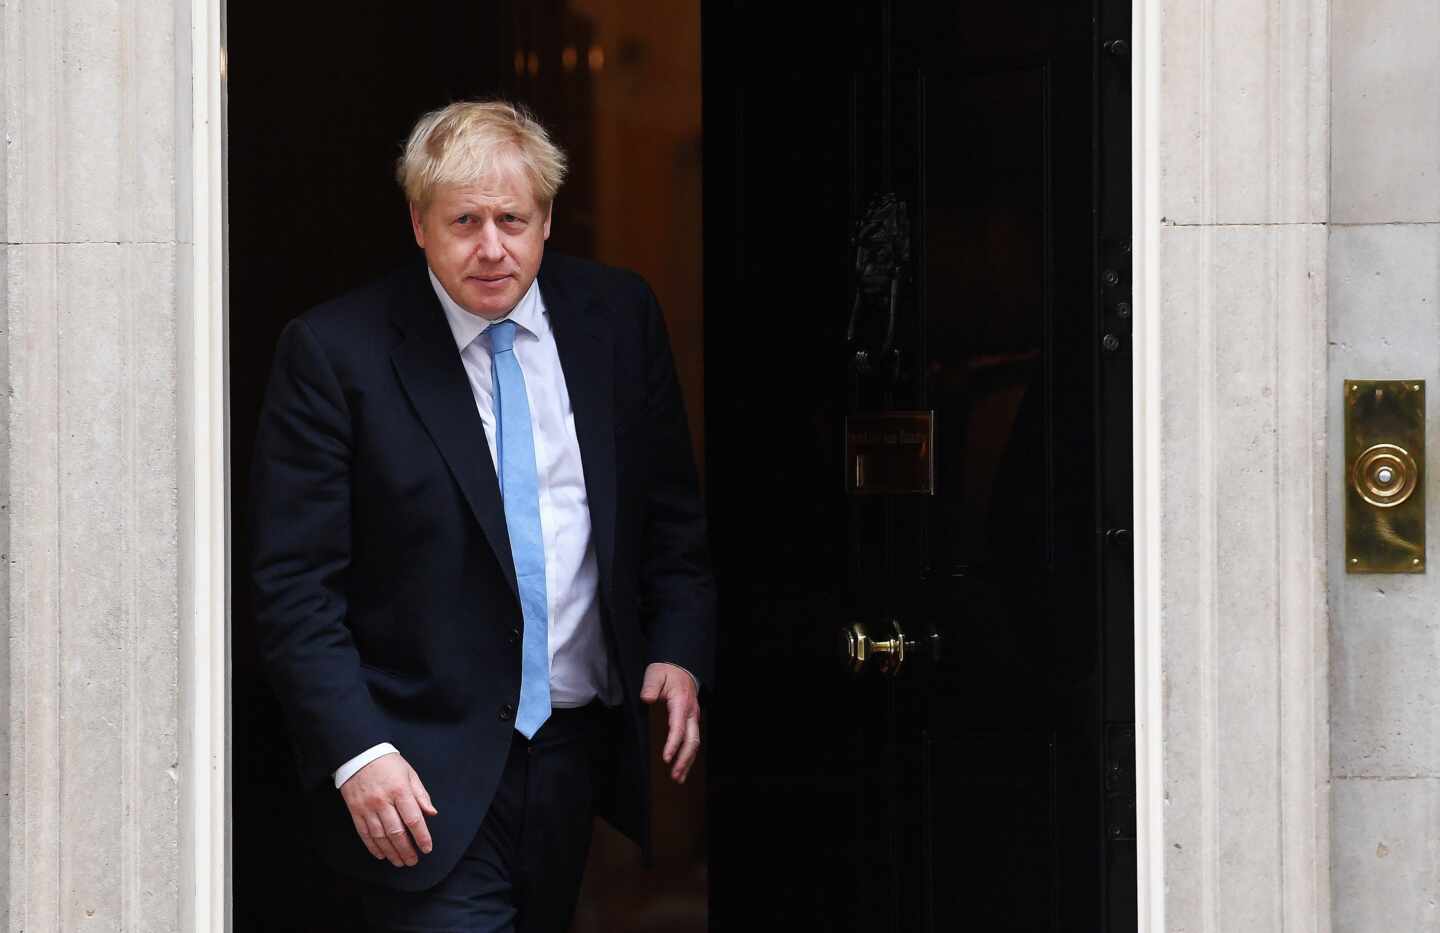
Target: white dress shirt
x: 580, y: 668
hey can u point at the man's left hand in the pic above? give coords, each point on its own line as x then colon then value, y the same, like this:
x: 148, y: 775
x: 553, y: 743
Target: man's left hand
x: 676, y: 687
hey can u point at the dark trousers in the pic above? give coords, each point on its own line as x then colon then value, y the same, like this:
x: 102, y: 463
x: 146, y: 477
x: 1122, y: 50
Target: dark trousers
x: 522, y: 872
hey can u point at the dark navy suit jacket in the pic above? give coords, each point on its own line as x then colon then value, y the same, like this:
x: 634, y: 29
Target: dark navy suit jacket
x: 384, y: 588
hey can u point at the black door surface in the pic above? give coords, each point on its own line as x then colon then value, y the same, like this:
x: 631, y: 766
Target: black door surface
x: 985, y: 783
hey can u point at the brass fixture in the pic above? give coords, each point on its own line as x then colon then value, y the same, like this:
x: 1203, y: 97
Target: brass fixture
x: 859, y: 648
x: 1384, y: 476
x: 890, y: 453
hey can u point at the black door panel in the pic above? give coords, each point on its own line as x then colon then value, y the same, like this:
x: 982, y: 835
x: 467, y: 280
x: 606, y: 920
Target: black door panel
x: 975, y: 787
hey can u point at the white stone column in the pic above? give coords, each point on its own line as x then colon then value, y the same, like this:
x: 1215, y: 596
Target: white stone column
x: 92, y: 111
x: 1384, y: 254
x: 1231, y: 508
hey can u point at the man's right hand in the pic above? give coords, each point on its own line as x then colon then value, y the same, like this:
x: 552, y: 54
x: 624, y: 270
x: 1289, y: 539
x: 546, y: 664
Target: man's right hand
x: 386, y: 800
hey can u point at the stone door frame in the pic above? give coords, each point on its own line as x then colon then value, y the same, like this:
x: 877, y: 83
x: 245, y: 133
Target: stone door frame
x: 204, y: 475
x: 1145, y: 379
x: 1186, y: 877
x: 1230, y: 179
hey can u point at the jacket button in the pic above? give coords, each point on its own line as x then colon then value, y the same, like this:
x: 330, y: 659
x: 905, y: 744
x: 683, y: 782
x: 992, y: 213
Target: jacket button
x: 514, y: 636
x: 507, y: 713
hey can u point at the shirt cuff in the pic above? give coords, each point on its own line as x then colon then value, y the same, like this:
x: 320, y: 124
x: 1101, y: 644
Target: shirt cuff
x: 693, y: 678
x: 346, y: 771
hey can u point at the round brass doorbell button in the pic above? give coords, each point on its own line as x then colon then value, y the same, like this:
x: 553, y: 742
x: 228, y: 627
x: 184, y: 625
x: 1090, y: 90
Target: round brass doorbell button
x: 1385, y: 475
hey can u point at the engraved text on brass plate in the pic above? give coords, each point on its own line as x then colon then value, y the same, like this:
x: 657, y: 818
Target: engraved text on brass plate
x: 890, y: 453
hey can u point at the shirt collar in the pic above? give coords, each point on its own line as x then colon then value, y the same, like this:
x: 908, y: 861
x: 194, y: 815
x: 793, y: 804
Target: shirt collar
x: 528, y: 314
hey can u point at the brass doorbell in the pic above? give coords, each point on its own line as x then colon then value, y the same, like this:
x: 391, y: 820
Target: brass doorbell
x: 1384, y: 476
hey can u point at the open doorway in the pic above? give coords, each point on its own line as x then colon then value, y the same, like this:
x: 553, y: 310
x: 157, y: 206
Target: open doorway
x: 318, y: 106
x: 988, y: 780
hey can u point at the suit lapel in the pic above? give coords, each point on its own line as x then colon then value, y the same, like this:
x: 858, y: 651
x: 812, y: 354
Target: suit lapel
x: 587, y: 360
x: 433, y: 376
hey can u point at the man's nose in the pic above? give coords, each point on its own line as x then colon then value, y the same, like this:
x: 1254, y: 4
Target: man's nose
x: 487, y: 245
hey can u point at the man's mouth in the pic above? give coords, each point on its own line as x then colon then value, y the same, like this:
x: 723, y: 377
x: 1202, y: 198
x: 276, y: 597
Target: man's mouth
x: 489, y: 279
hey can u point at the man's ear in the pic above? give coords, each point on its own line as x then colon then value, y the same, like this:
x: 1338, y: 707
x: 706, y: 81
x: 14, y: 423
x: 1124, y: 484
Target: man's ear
x: 416, y: 225
x: 549, y: 211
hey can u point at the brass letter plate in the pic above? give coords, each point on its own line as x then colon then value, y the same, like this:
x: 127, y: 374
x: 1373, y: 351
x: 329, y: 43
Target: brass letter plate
x: 890, y: 453
x: 1385, y: 476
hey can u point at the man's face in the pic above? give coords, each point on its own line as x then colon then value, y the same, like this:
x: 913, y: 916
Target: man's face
x: 484, y: 242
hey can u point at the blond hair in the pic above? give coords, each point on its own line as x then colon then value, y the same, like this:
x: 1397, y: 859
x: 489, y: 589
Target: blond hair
x: 467, y: 141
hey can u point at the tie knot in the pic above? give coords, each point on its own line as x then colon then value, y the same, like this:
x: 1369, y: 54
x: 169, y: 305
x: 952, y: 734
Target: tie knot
x: 502, y: 337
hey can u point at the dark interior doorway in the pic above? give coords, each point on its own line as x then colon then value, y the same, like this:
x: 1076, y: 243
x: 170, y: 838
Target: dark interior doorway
x: 988, y: 785
x: 319, y: 101
x: 987, y: 782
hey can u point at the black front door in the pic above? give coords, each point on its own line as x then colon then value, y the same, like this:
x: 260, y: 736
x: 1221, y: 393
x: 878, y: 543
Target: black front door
x: 918, y: 435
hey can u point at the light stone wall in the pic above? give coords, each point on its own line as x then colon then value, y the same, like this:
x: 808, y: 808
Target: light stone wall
x: 1277, y: 237
x: 89, y: 459
x: 1243, y: 176
x: 1384, y: 256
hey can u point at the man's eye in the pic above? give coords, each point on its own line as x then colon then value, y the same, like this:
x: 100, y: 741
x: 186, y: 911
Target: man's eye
x: 464, y: 219
x: 510, y: 219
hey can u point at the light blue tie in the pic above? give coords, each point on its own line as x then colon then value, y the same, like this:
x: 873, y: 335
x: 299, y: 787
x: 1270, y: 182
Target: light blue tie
x: 520, y: 489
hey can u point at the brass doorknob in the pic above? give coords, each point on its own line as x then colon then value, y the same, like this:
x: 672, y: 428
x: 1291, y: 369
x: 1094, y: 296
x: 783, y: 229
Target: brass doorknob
x: 860, y: 647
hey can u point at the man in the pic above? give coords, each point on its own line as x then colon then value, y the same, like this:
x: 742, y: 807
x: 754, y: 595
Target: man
x: 479, y: 548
